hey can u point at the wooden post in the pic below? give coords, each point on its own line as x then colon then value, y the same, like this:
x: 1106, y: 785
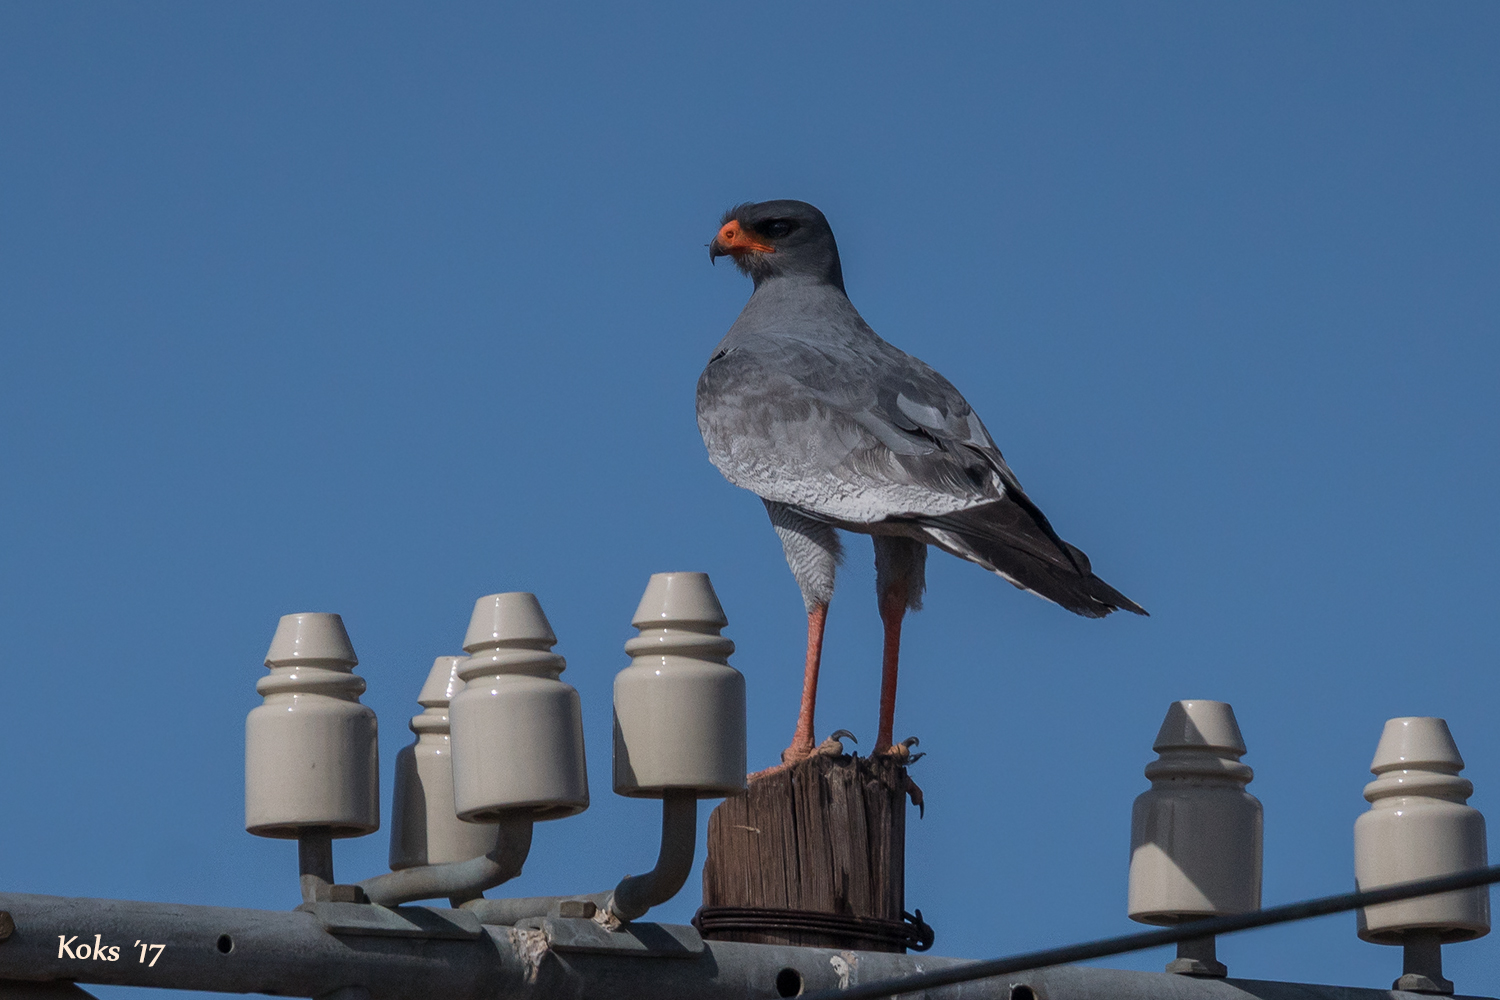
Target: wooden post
x: 813, y: 855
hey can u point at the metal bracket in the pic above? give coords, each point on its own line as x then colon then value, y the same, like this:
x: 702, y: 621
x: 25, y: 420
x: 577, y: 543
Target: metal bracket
x: 371, y: 920
x: 566, y: 934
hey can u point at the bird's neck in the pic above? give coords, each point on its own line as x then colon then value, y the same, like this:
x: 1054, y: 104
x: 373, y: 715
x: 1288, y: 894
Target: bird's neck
x: 780, y: 286
x: 814, y: 310
x: 831, y: 276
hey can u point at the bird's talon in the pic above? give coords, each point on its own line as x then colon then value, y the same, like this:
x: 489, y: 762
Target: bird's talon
x: 902, y: 751
x: 833, y: 746
x: 907, y: 744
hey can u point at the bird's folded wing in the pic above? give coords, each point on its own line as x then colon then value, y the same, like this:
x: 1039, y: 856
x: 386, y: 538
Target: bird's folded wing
x: 849, y: 435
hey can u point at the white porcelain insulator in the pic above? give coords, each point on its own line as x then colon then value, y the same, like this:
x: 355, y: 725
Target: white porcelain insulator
x: 311, y: 750
x: 679, y: 706
x: 1419, y: 826
x: 1195, y: 836
x: 517, y: 730
x: 425, y: 828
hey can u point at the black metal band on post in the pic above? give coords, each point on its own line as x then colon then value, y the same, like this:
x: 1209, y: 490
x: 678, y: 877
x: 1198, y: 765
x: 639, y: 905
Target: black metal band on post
x: 1155, y: 939
x: 910, y: 932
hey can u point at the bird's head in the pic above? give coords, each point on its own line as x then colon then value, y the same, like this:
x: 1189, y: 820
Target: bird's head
x: 779, y: 238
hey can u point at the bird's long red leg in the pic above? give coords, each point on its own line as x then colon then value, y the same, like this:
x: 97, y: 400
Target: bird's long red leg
x: 802, y: 739
x: 892, y: 610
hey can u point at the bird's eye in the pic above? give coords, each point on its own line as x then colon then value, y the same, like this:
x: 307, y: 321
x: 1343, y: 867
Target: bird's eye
x: 777, y: 228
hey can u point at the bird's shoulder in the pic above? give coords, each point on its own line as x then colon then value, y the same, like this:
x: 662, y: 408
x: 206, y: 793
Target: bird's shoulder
x: 819, y: 410
x: 850, y: 372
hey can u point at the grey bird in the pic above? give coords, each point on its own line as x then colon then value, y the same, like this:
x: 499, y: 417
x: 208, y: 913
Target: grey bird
x: 804, y: 405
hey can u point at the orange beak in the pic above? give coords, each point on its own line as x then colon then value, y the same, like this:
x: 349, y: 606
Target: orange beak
x: 735, y: 241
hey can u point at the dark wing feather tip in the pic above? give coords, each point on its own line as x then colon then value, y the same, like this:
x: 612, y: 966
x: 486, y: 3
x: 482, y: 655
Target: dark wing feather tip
x: 1012, y: 539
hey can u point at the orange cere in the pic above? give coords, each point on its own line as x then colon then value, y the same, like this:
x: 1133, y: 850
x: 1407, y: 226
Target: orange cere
x: 736, y: 240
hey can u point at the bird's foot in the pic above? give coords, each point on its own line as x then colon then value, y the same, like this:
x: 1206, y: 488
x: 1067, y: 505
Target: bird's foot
x: 795, y: 754
x: 834, y: 745
x: 785, y: 765
x: 902, y: 751
x: 903, y: 755
x: 915, y: 794
x: 798, y: 752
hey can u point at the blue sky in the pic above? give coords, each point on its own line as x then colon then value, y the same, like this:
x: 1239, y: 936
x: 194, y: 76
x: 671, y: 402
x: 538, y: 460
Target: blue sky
x: 372, y: 309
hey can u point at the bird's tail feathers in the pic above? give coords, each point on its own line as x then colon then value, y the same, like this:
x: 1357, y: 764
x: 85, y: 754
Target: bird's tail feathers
x: 1005, y: 539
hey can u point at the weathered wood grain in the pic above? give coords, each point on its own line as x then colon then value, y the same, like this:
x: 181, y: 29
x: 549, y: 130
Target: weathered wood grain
x: 827, y: 836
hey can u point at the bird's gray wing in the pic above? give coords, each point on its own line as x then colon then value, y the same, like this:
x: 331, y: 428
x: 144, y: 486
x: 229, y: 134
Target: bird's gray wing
x: 874, y: 436
x: 853, y: 433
